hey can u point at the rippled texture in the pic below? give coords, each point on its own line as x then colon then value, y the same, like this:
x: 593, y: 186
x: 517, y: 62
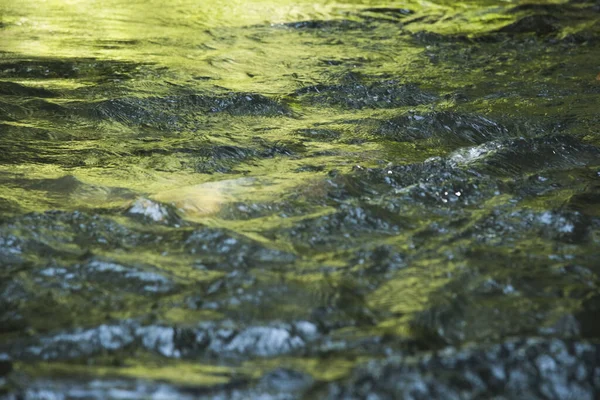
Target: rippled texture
x: 286, y: 200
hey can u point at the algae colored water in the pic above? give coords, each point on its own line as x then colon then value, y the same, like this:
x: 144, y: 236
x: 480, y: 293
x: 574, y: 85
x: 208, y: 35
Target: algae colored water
x: 346, y: 199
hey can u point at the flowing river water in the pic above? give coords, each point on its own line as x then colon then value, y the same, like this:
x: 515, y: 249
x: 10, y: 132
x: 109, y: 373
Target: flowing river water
x: 347, y: 199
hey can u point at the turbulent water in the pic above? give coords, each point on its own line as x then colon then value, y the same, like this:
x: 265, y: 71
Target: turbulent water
x: 265, y: 199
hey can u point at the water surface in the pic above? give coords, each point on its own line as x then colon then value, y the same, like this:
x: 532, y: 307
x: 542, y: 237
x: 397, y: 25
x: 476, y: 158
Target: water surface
x: 299, y: 199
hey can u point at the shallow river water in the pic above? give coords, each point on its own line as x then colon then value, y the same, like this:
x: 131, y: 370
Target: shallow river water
x: 346, y: 199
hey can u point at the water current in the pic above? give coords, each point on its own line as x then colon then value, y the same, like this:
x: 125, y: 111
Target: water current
x: 349, y: 199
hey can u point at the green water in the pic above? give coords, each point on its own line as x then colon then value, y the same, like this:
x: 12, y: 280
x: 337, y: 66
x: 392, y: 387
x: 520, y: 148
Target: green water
x: 197, y: 194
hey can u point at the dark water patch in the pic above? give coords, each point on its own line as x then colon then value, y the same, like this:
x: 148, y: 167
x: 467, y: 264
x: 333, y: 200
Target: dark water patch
x: 537, y: 24
x: 118, y: 44
x: 67, y: 183
x: 434, y: 38
x: 201, y: 155
x: 69, y: 232
x: 456, y: 321
x: 384, y: 95
x: 281, y: 148
x: 364, y: 20
x: 12, y: 112
x: 434, y: 181
x: 5, y: 367
x: 247, y: 211
x: 31, y: 307
x: 587, y: 203
x: 589, y: 325
x: 251, y: 297
x: 16, y: 89
x: 585, y: 35
x: 223, y: 158
x: 378, y: 262
x: 356, y: 92
x: 518, y: 156
x: 229, y: 152
x: 178, y: 111
x: 319, y: 134
x: 348, y: 62
x: 310, y: 168
x: 559, y: 22
x: 9, y: 208
x: 332, y: 62
x: 447, y: 192
x: 82, y: 294
x: 292, y: 204
x: 441, y: 184
x: 200, y: 147
x: 544, y: 8
x: 249, y: 104
x: 381, y: 15
x: 219, y: 249
x: 576, y: 9
x: 69, y: 186
x: 135, y: 111
x: 330, y: 26
x: 547, y: 24
x: 391, y: 11
x: 9, y: 132
x: 13, y: 295
x: 50, y: 152
x: 479, y: 305
x: 353, y: 222
x: 445, y: 128
x: 346, y: 307
x: 573, y: 189
x: 48, y: 68
x: 56, y: 270
x: 46, y: 107
x: 194, y: 153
